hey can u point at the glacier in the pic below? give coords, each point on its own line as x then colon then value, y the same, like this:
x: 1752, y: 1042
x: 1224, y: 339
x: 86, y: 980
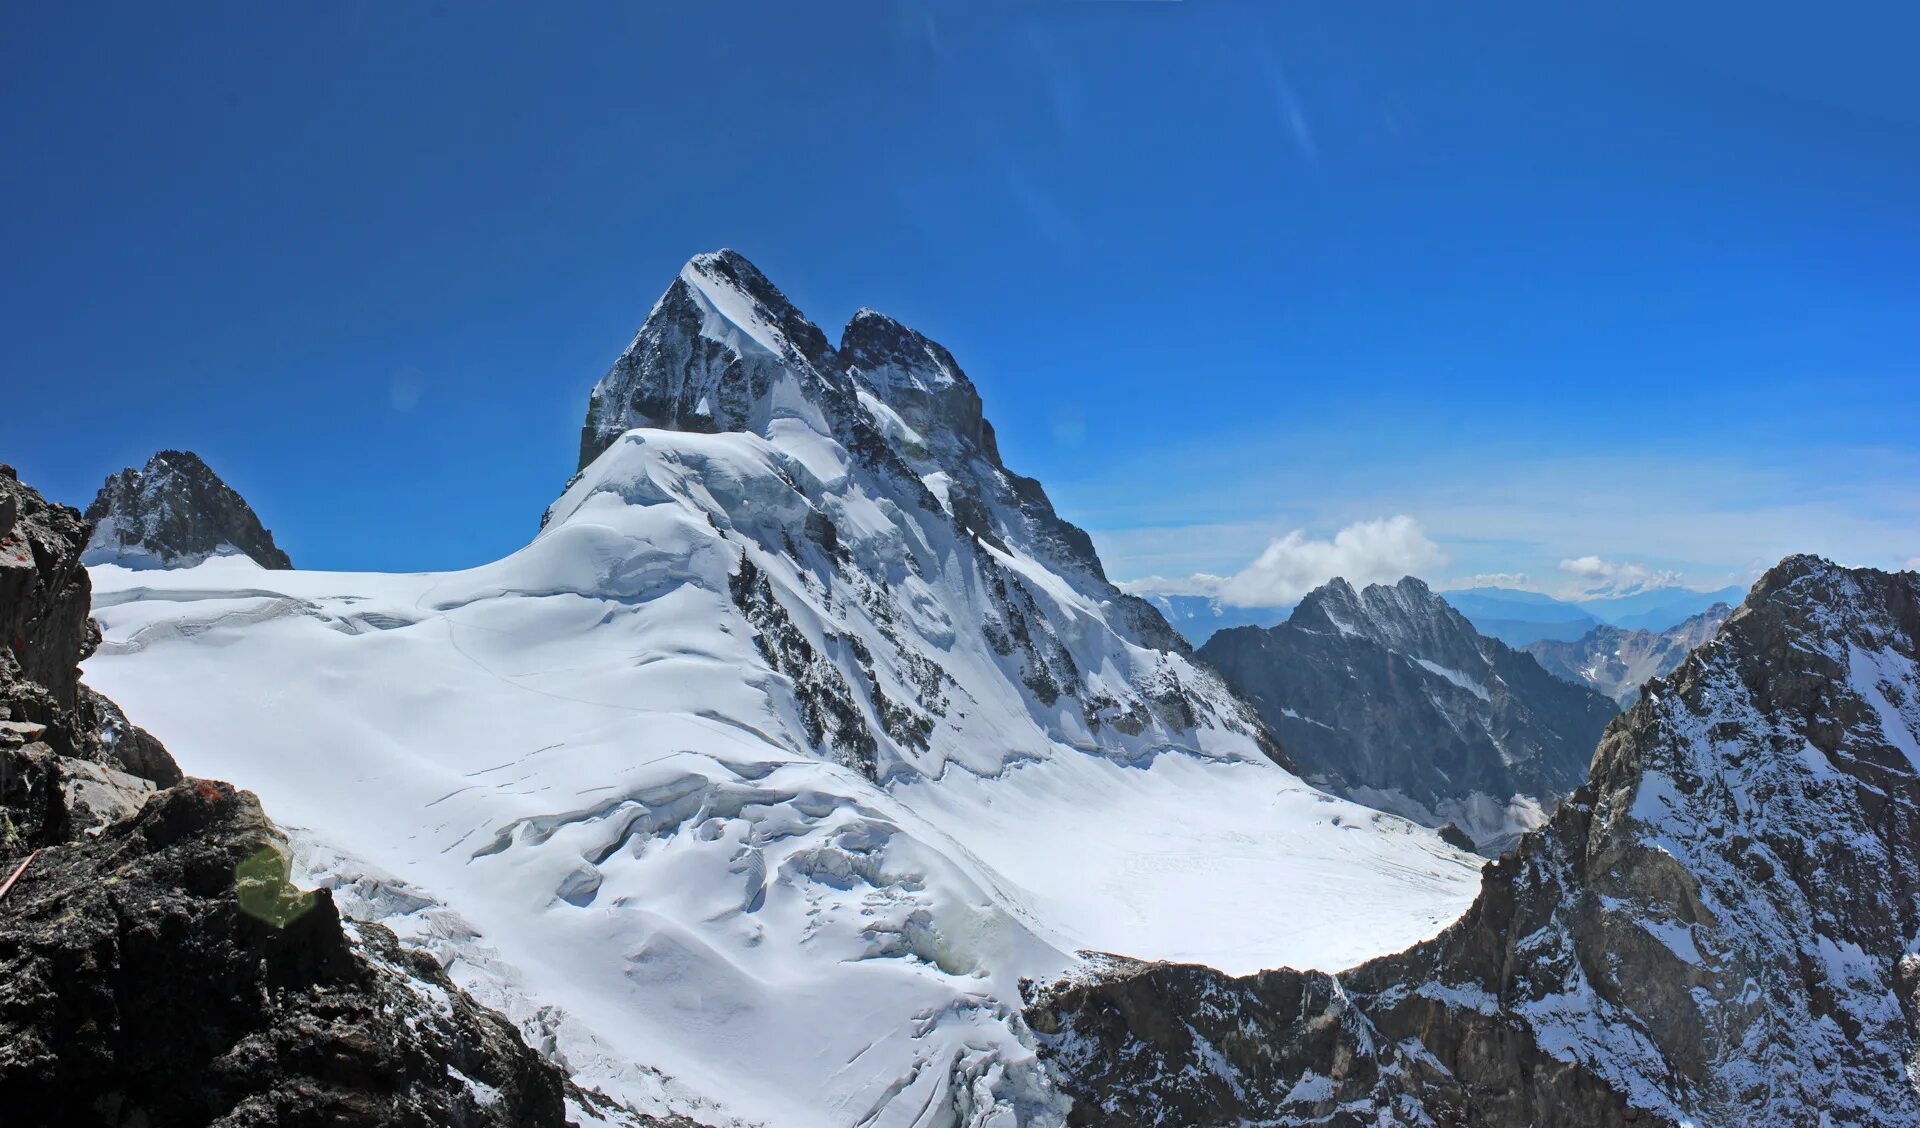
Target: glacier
x: 802, y: 734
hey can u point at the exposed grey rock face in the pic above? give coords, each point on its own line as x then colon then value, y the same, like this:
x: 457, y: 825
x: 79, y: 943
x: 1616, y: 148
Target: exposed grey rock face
x: 1718, y: 929
x: 920, y: 381
x: 724, y: 351
x: 770, y: 362
x: 1617, y: 661
x: 174, y: 512
x: 156, y: 968
x: 1389, y: 696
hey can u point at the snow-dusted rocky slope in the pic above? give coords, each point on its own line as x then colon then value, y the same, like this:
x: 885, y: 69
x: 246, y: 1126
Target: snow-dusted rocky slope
x: 1720, y: 929
x: 175, y: 512
x: 1389, y: 696
x: 801, y: 733
x: 1618, y: 661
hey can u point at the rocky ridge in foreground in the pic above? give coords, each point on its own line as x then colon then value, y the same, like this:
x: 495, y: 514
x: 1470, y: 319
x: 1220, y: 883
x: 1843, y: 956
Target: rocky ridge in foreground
x: 156, y: 967
x: 1718, y: 929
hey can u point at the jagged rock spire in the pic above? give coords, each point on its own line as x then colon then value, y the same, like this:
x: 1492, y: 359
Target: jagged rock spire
x: 175, y: 512
x: 722, y: 350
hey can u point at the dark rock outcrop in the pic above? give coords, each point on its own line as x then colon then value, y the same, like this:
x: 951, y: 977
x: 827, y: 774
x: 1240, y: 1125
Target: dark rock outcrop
x: 1390, y: 696
x: 174, y: 513
x: 156, y: 966
x: 1617, y: 661
x: 1716, y: 930
x: 164, y: 973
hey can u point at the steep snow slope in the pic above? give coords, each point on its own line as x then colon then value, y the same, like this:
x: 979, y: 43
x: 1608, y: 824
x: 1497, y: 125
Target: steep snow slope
x: 798, y: 736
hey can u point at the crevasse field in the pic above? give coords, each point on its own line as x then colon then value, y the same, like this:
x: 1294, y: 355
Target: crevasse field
x: 606, y: 805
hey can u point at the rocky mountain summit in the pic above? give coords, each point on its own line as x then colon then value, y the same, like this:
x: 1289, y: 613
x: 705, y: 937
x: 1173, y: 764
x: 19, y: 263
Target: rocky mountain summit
x: 173, y: 513
x: 156, y: 966
x: 1389, y: 696
x: 724, y: 351
x: 1717, y: 929
x: 1618, y: 660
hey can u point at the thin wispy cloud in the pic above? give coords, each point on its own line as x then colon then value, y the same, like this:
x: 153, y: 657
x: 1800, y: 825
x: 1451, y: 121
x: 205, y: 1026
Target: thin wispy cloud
x: 1518, y: 580
x: 1287, y: 106
x: 1200, y: 583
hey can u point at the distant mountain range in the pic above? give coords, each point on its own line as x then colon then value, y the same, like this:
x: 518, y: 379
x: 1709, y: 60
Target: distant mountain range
x: 1618, y: 661
x: 1522, y: 617
x: 1199, y: 616
x: 1515, y: 617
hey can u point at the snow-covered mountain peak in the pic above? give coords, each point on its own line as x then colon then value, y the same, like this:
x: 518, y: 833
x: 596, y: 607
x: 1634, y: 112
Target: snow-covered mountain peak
x: 722, y: 350
x: 792, y: 717
x: 889, y: 354
x: 175, y: 512
x: 736, y: 290
x: 902, y: 586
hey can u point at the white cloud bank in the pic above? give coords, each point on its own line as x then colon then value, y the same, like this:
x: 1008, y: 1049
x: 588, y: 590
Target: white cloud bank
x: 1595, y: 578
x: 1366, y: 552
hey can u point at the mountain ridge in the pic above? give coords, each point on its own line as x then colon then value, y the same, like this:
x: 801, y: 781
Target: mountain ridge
x: 1716, y: 929
x: 1390, y: 696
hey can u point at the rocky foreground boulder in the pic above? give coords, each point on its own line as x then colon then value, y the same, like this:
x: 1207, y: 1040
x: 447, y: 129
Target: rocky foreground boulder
x: 175, y: 512
x: 156, y: 966
x: 1718, y: 929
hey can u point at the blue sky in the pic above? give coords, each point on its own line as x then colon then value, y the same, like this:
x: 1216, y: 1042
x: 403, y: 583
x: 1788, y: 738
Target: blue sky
x: 1630, y: 285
